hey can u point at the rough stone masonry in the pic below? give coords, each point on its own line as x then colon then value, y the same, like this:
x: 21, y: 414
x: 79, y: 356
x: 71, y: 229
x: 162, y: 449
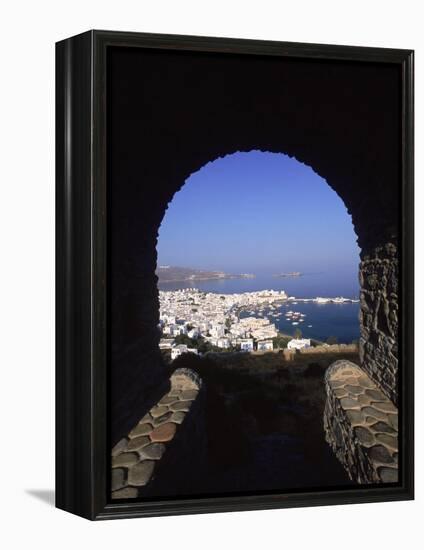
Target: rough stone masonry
x: 361, y: 424
x: 165, y: 440
x: 378, y: 348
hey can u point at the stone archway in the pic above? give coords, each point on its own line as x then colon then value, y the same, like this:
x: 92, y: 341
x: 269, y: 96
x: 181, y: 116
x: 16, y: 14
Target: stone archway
x: 217, y: 108
x: 378, y: 274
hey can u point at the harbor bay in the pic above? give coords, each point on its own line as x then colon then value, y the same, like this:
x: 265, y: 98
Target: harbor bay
x: 318, y: 320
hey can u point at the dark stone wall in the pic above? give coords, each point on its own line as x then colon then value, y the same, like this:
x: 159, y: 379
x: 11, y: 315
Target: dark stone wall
x: 170, y: 113
x: 379, y: 317
x: 138, y: 376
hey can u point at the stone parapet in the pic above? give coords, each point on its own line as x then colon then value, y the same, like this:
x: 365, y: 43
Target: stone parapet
x: 361, y: 424
x: 334, y: 348
x: 145, y: 460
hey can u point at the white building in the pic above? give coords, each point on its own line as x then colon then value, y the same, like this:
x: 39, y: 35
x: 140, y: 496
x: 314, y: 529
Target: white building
x: 217, y: 331
x: 223, y: 343
x: 265, y: 345
x: 299, y: 343
x: 265, y: 332
x: 204, y: 327
x: 246, y: 344
x: 166, y: 343
x: 176, y: 351
x: 193, y: 333
x: 177, y: 330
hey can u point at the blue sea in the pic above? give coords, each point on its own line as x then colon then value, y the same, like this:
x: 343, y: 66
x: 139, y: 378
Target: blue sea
x: 339, y: 320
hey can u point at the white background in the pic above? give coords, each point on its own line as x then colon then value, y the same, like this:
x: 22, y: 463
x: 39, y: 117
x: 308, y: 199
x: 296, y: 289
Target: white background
x: 29, y: 30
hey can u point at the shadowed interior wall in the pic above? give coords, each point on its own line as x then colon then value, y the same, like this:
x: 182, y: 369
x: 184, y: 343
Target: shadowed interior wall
x: 169, y: 113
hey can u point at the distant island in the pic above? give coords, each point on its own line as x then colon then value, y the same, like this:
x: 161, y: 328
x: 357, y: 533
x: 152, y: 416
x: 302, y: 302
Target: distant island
x: 289, y: 274
x: 173, y: 274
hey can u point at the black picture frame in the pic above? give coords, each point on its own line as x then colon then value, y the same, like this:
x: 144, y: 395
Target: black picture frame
x: 82, y: 446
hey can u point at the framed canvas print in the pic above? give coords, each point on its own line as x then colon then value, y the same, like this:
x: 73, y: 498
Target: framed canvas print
x: 234, y: 274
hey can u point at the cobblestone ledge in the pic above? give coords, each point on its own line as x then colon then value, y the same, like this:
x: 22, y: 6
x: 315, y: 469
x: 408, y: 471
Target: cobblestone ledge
x: 144, y: 462
x: 361, y: 425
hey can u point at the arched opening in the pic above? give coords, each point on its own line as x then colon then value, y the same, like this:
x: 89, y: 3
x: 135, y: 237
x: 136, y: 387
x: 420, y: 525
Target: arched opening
x: 258, y: 285
x: 263, y: 214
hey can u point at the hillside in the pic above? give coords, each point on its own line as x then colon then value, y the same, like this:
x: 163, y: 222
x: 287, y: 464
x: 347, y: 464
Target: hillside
x: 171, y: 274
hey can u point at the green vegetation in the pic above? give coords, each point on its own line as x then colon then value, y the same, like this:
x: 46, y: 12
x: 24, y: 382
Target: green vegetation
x: 331, y: 340
x: 186, y: 340
x: 315, y: 343
x: 202, y: 345
x: 206, y: 347
x: 281, y: 341
x: 297, y: 334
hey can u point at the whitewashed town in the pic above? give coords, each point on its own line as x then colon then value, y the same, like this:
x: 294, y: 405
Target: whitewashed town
x: 193, y: 321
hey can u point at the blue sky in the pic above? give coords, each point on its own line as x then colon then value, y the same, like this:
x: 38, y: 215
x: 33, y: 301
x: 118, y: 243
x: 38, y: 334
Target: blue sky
x: 258, y: 212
